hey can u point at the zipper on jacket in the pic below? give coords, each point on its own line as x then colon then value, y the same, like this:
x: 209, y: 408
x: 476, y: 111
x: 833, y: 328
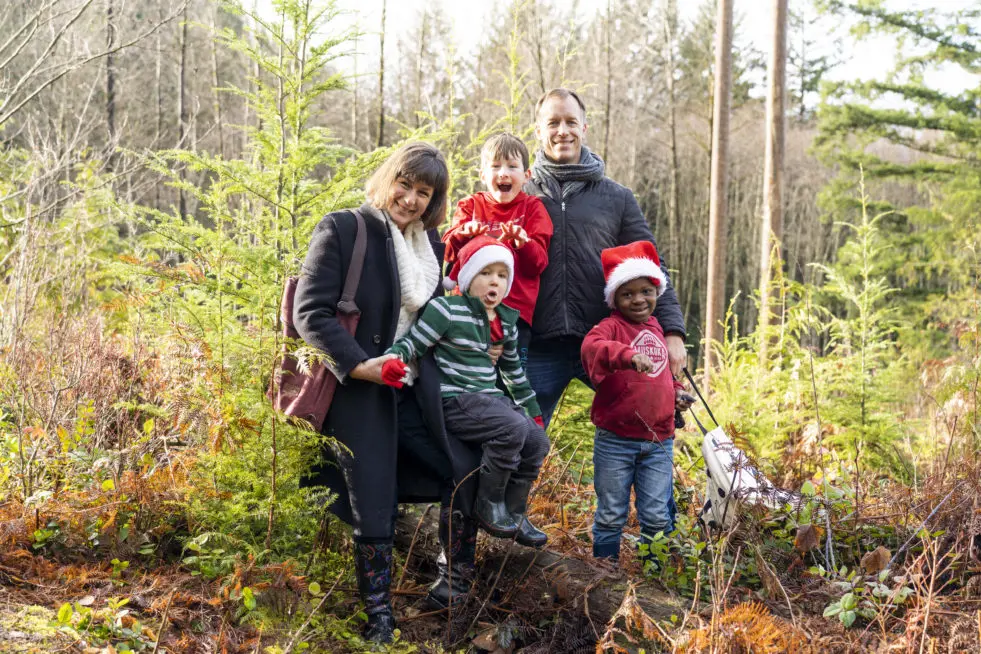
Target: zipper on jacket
x: 565, y: 269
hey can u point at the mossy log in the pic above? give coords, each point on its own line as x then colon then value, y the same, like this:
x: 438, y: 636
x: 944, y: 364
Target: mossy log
x: 534, y: 579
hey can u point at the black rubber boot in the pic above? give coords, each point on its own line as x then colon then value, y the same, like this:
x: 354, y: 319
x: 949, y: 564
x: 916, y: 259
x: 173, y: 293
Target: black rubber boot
x: 608, y: 551
x: 516, y: 498
x: 458, y: 537
x: 490, y: 510
x: 373, y: 563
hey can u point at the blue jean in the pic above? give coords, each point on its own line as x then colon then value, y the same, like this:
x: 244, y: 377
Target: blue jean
x: 618, y: 465
x: 552, y: 364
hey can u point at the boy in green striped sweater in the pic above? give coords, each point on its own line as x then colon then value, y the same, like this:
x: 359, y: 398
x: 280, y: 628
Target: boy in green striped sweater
x: 461, y: 329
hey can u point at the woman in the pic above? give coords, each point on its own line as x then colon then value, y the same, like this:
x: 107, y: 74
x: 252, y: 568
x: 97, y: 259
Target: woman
x: 396, y: 444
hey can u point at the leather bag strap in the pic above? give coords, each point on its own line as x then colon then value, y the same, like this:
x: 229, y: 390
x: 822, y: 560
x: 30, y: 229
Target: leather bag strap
x: 346, y: 303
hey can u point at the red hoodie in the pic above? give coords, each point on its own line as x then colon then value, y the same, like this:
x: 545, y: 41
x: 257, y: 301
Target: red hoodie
x: 628, y: 403
x: 530, y: 260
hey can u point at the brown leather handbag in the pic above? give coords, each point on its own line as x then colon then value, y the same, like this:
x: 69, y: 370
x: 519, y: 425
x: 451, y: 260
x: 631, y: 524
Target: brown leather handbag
x: 308, y: 396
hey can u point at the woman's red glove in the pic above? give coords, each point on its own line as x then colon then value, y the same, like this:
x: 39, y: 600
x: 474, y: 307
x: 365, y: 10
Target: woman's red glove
x: 394, y: 373
x: 540, y: 421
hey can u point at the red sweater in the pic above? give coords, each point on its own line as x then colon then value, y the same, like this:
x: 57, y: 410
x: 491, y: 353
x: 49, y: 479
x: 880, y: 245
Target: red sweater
x: 628, y: 403
x: 530, y: 260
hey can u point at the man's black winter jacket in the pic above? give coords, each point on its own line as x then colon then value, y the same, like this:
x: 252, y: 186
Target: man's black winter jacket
x: 603, y: 215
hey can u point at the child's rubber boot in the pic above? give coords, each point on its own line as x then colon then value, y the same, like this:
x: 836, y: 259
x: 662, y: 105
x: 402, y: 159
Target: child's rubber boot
x: 516, y: 498
x: 455, y: 564
x: 490, y: 510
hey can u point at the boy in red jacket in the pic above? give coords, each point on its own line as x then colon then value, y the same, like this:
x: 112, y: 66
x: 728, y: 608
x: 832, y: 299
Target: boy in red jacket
x: 626, y: 358
x: 507, y: 213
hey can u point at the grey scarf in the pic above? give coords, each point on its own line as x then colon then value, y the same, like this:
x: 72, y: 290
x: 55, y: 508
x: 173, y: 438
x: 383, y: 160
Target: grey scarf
x: 559, y: 181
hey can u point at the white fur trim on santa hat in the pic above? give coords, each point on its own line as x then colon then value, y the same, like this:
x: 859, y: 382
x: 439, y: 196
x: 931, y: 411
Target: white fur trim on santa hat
x: 630, y: 269
x: 482, y: 258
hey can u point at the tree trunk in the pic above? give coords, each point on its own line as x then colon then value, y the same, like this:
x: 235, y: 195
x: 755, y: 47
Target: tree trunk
x: 544, y: 577
x: 670, y: 18
x: 110, y: 88
x: 609, y: 82
x: 423, y: 36
x: 715, y: 280
x: 381, y: 82
x: 772, y: 227
x: 217, y: 84
x: 182, y: 107
x: 354, y: 103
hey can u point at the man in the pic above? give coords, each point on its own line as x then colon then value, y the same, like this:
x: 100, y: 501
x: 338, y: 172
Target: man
x: 590, y: 212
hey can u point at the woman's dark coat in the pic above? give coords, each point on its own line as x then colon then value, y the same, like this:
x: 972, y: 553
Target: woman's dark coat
x: 363, y: 415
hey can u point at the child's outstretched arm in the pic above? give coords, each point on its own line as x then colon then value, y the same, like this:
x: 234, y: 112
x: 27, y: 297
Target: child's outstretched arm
x: 428, y: 328
x: 514, y: 375
x: 602, y: 355
x: 463, y: 228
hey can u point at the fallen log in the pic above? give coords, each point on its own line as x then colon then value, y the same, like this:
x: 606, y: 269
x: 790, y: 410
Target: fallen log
x: 531, y: 580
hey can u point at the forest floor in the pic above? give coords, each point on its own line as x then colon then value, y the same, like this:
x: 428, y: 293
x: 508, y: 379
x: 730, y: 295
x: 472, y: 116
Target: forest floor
x: 755, y: 595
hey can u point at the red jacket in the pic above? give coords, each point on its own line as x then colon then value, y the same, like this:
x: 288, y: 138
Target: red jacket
x: 530, y: 260
x: 628, y: 403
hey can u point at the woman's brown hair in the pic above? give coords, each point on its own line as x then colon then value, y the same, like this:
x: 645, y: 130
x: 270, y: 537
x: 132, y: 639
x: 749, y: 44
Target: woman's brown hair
x: 416, y: 162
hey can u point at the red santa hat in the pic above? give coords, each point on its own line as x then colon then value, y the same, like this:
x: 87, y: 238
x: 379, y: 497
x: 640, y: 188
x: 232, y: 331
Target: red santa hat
x: 625, y: 263
x: 480, y: 252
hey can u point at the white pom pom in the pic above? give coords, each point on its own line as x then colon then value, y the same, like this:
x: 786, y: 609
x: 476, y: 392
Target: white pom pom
x: 449, y: 284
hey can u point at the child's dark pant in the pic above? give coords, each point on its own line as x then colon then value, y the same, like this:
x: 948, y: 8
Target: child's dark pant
x: 509, y: 438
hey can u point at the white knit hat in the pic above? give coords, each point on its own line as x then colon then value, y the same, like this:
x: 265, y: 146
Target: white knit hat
x: 476, y: 255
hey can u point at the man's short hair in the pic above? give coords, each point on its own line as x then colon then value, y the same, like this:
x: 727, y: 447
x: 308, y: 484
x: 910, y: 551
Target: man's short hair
x: 561, y: 94
x: 504, y: 146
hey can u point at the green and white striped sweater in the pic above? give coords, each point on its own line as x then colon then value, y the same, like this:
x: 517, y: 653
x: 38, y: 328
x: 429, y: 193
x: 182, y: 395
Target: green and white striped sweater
x: 458, y: 328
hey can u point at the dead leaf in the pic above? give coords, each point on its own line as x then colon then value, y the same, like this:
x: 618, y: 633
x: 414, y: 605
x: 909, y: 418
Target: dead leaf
x: 876, y: 561
x: 486, y: 640
x: 88, y: 600
x: 769, y: 578
x: 808, y: 537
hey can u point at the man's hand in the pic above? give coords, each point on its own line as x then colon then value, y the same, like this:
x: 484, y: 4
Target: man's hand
x: 641, y: 363
x: 495, y: 351
x: 677, y: 355
x: 371, y: 369
x: 472, y: 228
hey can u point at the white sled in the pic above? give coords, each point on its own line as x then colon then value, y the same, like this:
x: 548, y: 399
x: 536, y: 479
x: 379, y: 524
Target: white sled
x: 733, y: 480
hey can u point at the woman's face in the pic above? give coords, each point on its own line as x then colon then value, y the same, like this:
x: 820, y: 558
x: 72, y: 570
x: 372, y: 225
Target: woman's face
x: 407, y: 201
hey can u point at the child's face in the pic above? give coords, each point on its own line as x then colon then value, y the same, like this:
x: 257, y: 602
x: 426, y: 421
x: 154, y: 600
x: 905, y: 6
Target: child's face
x: 490, y: 285
x: 636, y: 299
x: 503, y: 177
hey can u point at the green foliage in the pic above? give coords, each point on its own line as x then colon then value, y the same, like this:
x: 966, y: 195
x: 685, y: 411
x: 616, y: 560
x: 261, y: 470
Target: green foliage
x: 865, y: 597
x: 110, y: 626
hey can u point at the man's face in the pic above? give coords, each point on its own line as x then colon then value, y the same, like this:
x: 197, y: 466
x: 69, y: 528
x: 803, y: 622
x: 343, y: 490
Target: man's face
x: 503, y: 177
x: 490, y: 285
x: 560, y: 128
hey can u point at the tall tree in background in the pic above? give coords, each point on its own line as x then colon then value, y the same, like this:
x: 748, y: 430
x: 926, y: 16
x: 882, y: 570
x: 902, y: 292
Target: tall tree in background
x: 182, y: 106
x: 771, y: 230
x: 381, y: 81
x: 715, y: 296
x: 608, y: 107
x: 925, y: 136
x: 110, y: 85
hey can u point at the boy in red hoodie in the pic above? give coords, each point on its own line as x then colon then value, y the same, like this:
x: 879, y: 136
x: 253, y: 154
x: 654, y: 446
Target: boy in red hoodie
x: 507, y: 213
x: 626, y: 359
